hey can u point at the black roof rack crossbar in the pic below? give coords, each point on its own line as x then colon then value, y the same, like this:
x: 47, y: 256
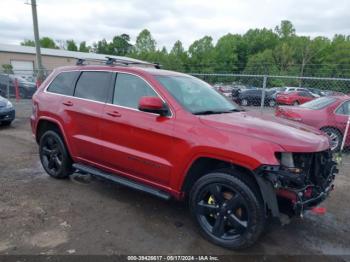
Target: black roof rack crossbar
x: 116, y: 61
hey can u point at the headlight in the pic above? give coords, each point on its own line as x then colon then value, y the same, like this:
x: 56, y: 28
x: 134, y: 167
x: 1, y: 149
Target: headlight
x: 286, y: 160
x: 9, y: 104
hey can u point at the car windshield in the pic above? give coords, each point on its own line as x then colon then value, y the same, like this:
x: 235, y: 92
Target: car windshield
x: 319, y: 103
x: 196, y: 95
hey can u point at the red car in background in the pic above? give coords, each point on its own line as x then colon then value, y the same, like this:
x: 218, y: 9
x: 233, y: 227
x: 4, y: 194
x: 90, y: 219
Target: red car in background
x: 294, y: 98
x: 329, y: 114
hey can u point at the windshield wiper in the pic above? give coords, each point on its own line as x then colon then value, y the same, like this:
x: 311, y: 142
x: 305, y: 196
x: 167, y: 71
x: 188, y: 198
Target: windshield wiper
x: 213, y: 112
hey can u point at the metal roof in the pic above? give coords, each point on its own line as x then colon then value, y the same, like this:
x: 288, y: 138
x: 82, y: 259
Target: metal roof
x: 58, y: 52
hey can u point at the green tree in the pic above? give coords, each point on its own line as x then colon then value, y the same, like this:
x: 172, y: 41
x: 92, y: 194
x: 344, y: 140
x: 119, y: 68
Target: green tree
x: 201, y: 54
x: 285, y: 29
x: 145, y: 45
x: 336, y: 62
x: 7, y: 68
x: 258, y: 40
x: 28, y: 43
x: 226, y: 57
x: 262, y: 63
x: 307, y: 51
x: 103, y: 47
x: 71, y: 45
x: 47, y: 42
x: 83, y: 47
x: 178, y: 57
x: 121, y: 44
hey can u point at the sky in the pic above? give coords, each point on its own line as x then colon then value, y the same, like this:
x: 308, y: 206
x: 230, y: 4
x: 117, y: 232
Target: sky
x: 168, y: 20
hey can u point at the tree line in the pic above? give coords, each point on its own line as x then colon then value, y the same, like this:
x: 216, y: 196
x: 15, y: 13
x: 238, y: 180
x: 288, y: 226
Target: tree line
x: 278, y: 51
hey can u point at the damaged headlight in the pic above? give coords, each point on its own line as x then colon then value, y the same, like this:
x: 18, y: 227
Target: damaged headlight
x: 287, y: 162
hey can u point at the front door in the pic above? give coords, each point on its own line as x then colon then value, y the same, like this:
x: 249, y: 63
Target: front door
x: 136, y: 143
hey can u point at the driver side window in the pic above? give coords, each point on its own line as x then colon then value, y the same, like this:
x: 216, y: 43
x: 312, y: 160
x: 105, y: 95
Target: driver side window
x: 129, y: 89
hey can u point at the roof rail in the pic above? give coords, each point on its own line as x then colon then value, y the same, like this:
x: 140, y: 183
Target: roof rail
x: 116, y: 61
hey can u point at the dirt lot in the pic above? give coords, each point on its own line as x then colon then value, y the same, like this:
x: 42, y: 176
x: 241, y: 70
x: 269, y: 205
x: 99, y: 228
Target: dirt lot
x: 41, y: 215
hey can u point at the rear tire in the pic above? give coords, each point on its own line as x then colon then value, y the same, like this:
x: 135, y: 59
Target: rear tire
x: 228, y: 209
x: 54, y: 155
x: 296, y: 103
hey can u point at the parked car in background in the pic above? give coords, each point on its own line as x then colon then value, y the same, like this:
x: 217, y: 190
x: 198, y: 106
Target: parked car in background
x: 316, y: 92
x: 253, y: 97
x: 329, y: 114
x: 26, y: 88
x: 294, y: 98
x: 333, y: 93
x: 225, y: 90
x: 7, y: 112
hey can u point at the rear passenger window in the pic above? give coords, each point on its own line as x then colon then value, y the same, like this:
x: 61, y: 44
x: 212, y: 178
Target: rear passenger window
x: 93, y: 86
x: 63, y: 83
x: 129, y: 89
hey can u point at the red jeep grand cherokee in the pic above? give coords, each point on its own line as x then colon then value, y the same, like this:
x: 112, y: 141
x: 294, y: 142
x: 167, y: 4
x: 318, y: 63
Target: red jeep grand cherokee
x: 172, y: 135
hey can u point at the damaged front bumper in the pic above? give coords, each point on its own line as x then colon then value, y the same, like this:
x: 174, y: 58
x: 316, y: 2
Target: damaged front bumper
x: 292, y: 192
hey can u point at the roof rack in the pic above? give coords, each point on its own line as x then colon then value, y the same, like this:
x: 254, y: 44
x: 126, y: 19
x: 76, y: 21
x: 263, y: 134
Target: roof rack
x: 116, y: 61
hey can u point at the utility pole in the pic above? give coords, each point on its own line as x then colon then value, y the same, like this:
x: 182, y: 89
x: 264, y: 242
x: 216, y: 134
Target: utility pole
x: 39, y: 65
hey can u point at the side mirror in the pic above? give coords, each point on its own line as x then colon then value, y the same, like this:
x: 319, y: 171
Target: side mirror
x: 153, y: 104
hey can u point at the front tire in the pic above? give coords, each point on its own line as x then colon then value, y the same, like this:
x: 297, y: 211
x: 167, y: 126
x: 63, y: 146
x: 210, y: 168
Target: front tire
x: 296, y: 103
x: 6, y: 123
x: 228, y: 209
x: 54, y: 155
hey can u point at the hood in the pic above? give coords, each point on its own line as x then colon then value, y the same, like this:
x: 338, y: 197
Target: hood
x: 290, y: 135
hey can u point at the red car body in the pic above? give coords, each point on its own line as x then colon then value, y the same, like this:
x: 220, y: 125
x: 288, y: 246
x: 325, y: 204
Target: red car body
x: 89, y: 131
x: 171, y: 152
x: 323, y: 118
x: 293, y: 98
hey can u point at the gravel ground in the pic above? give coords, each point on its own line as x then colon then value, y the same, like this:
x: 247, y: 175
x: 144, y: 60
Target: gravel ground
x: 41, y: 215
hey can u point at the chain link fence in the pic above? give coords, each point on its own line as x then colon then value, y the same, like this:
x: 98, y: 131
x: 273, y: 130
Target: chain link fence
x: 20, y: 84
x: 308, y: 100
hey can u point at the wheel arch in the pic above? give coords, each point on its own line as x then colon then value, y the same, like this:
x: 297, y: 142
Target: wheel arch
x: 204, y: 164
x: 46, y: 123
x: 332, y: 127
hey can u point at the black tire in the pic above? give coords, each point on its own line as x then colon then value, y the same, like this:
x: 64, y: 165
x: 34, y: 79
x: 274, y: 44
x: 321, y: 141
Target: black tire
x: 335, y: 136
x: 234, y: 222
x: 296, y: 103
x: 6, y: 123
x: 54, y: 155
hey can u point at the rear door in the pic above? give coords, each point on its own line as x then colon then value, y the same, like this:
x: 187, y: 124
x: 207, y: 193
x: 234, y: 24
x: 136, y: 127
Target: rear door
x: 82, y: 113
x: 136, y: 143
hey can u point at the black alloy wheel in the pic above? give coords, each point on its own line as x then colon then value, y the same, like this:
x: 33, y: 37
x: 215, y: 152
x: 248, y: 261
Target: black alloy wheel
x: 227, y: 210
x: 54, y: 156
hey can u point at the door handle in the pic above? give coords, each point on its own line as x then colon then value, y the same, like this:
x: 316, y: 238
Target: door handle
x: 68, y: 103
x: 114, y: 114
